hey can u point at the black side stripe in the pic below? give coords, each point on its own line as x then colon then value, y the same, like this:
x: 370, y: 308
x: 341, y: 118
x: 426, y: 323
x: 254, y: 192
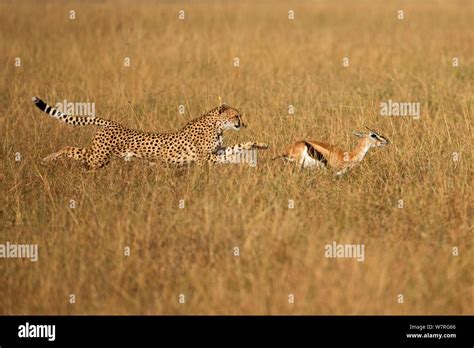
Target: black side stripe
x: 315, y: 153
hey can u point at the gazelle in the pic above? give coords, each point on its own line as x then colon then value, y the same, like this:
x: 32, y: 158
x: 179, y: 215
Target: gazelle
x: 315, y: 154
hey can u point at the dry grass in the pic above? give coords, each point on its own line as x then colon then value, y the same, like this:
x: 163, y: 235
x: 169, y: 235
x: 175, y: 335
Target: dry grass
x: 190, y: 251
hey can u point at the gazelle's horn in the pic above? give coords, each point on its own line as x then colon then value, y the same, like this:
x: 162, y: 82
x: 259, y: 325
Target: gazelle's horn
x: 372, y: 130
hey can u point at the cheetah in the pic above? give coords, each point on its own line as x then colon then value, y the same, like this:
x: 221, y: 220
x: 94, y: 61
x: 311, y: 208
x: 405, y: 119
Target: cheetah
x: 200, y: 141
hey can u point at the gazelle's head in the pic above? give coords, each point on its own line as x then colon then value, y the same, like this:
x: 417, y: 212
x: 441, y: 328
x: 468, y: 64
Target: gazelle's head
x: 373, y: 138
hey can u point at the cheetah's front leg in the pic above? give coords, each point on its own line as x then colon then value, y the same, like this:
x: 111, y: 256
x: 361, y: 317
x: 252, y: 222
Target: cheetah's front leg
x: 239, y: 153
x: 239, y: 148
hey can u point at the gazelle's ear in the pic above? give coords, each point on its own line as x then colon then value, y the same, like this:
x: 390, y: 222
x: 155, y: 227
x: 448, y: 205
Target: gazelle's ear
x: 360, y: 135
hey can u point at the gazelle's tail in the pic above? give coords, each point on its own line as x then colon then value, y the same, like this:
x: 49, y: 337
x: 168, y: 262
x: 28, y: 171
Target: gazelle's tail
x: 75, y: 120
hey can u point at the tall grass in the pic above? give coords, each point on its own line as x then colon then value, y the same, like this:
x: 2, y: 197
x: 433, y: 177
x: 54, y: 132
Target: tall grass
x: 190, y: 251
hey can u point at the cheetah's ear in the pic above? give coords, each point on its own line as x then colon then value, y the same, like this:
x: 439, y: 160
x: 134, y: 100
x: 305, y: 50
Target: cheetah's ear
x: 223, y: 107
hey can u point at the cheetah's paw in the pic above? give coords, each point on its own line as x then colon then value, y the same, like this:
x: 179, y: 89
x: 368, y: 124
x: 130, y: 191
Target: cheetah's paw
x: 261, y: 146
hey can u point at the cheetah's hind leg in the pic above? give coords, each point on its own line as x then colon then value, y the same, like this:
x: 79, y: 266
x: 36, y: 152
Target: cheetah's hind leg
x: 75, y: 153
x: 128, y: 156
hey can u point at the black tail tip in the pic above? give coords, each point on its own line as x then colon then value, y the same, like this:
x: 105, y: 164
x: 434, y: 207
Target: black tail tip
x: 39, y: 103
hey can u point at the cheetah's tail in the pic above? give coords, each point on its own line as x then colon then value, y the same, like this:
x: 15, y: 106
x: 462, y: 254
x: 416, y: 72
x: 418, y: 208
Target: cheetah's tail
x: 76, y: 120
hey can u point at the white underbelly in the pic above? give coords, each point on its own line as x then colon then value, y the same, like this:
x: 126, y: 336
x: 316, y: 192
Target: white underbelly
x: 307, y: 161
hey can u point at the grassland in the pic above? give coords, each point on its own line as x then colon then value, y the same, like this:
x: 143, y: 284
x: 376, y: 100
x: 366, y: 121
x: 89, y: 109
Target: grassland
x: 191, y: 251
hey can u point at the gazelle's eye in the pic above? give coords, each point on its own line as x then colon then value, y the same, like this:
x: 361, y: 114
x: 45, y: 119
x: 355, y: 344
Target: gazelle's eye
x: 373, y: 136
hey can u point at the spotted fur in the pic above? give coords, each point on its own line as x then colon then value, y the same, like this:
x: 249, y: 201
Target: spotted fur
x: 199, y: 141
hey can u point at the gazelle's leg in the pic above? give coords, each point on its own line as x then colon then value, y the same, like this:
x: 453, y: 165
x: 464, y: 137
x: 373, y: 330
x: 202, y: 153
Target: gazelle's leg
x: 76, y: 153
x: 341, y: 172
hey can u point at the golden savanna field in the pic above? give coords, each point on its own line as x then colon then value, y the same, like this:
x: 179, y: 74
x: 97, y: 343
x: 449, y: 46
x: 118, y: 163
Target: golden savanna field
x: 410, y: 204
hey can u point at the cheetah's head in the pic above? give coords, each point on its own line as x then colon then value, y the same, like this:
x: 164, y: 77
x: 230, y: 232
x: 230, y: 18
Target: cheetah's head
x: 229, y: 118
